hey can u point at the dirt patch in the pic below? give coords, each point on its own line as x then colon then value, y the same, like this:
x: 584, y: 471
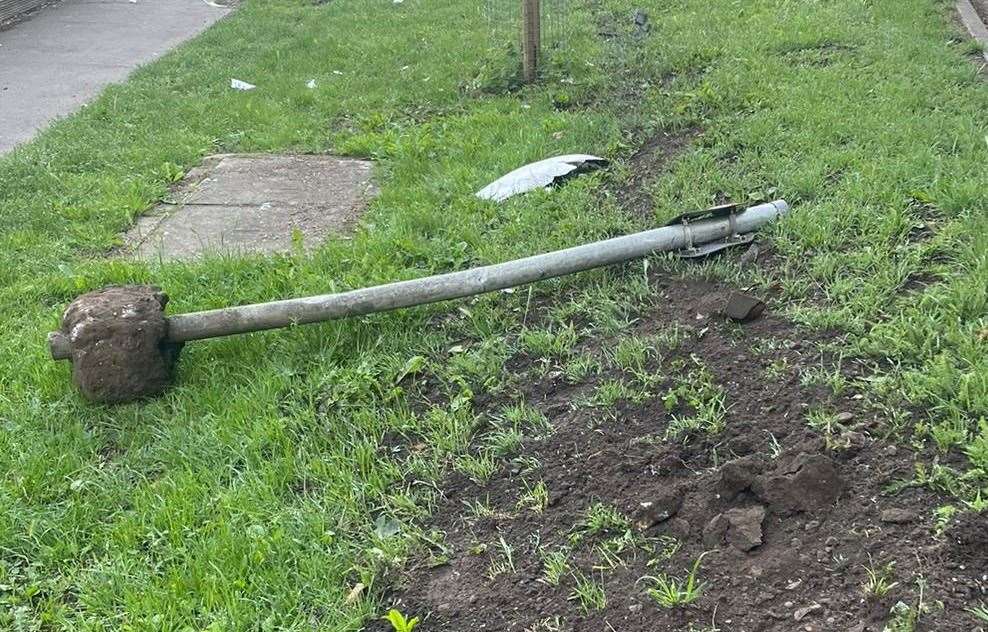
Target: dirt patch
x: 646, y: 165
x: 785, y: 519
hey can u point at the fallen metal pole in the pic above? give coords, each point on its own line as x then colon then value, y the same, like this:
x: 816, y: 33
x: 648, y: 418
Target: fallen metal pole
x: 299, y: 311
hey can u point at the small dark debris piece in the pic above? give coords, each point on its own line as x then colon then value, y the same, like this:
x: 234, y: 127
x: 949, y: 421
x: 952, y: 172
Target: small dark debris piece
x: 743, y: 307
x: 641, y: 22
x: 663, y: 506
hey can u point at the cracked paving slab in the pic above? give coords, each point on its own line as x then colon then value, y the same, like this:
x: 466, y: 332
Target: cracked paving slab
x: 254, y: 204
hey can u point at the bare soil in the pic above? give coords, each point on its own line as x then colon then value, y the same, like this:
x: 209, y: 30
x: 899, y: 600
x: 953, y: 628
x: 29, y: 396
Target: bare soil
x: 789, y: 524
x: 646, y: 165
x: 786, y: 521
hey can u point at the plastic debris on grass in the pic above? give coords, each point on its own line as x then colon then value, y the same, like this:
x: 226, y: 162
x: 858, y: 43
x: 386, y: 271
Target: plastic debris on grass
x: 541, y: 174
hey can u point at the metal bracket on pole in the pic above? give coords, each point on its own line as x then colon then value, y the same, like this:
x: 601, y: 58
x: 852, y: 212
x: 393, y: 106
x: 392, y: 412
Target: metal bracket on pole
x: 692, y: 251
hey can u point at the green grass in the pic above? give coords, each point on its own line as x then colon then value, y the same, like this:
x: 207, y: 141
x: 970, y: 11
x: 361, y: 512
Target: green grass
x: 247, y: 497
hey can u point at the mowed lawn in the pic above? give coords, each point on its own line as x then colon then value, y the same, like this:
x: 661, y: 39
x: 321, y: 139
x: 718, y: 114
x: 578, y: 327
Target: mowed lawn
x: 262, y: 489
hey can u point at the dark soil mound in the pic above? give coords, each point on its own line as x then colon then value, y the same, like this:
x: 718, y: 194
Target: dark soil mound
x: 792, y: 522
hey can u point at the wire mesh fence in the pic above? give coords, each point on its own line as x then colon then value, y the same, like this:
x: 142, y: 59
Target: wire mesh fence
x: 504, y: 21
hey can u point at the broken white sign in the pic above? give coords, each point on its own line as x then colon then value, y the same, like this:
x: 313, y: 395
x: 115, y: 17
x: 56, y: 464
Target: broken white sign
x: 543, y: 173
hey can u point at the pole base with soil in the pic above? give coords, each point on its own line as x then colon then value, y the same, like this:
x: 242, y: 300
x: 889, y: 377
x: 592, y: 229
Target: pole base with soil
x: 123, y: 347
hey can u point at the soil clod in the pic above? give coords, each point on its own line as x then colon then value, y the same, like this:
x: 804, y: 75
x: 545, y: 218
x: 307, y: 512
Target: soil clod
x: 665, y: 505
x: 738, y: 476
x: 739, y: 527
x: 120, y: 350
x: 811, y: 482
x: 742, y: 307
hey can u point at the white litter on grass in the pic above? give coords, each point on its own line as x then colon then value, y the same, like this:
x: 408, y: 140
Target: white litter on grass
x: 310, y: 84
x: 237, y: 84
x: 543, y: 173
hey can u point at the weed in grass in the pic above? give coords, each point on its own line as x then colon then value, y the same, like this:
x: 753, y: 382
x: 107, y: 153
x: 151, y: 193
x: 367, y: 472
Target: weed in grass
x: 943, y: 516
x: 978, y: 504
x: 902, y: 618
x: 671, y: 592
x: 555, y: 565
x: 950, y: 433
x: 703, y: 398
x: 481, y: 366
x: 979, y: 612
x: 549, y: 624
x: 940, y: 478
x: 588, y: 592
x: 665, y: 548
x: 503, y: 562
x: 610, y: 392
x: 478, y: 467
x: 832, y: 378
x: 977, y: 449
x: 826, y: 423
x: 776, y: 370
x: 399, y: 623
x: 879, y: 580
x: 549, y: 344
x: 477, y: 548
x: 535, y: 497
x: 579, y: 367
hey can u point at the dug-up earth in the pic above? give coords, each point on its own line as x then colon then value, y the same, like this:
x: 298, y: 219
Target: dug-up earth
x: 787, y: 501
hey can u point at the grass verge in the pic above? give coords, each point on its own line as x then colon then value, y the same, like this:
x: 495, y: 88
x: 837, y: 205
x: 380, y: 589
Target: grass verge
x: 259, y: 492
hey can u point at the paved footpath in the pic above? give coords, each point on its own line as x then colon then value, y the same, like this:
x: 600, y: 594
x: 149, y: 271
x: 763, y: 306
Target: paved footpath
x: 57, y: 60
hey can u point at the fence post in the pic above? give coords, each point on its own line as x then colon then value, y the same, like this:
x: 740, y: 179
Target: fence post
x: 531, y: 38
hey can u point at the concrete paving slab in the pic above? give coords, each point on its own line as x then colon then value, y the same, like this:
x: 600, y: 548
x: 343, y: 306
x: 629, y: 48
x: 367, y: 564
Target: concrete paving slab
x: 259, y: 179
x: 254, y: 204
x: 60, y: 58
